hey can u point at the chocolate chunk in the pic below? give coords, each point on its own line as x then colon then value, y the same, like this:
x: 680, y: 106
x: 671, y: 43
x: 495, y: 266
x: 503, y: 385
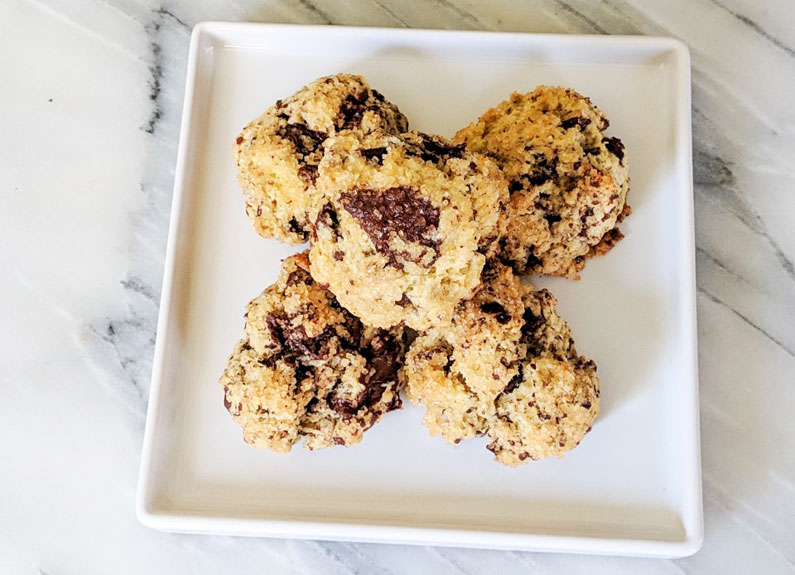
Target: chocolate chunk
x: 308, y: 173
x: 275, y: 329
x: 515, y: 382
x: 543, y: 171
x: 515, y: 186
x: 239, y: 140
x: 533, y: 262
x: 376, y: 154
x: 296, y: 228
x: 328, y: 218
x: 298, y: 276
x: 338, y: 440
x: 578, y: 121
x: 586, y: 404
x: 302, y: 371
x: 295, y: 339
x: 383, y: 352
x: 593, y: 151
x: 383, y: 359
x: 227, y: 403
x: 404, y: 301
x: 305, y: 140
x: 497, y: 309
x: 531, y: 322
x: 352, y: 110
x: 397, y: 211
x: 449, y: 365
x: 345, y: 407
x: 552, y: 218
x: 436, y: 147
x: 354, y: 329
x: 268, y: 361
x: 435, y: 150
x: 338, y: 255
x: 615, y: 147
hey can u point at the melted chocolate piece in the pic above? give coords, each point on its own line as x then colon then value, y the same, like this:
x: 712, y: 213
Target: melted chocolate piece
x: 552, y: 218
x: 376, y: 154
x: 384, y: 360
x: 578, y: 121
x: 400, y: 210
x: 404, y: 301
x: 543, y: 171
x: 308, y: 174
x: 616, y: 147
x: 296, y: 228
x: 533, y: 262
x: 299, y: 276
x: 295, y: 339
x: 531, y: 322
x: 352, y: 110
x: 515, y: 382
x: 497, y: 309
x: 435, y: 150
x: 328, y: 217
x: 515, y: 186
x: 305, y: 140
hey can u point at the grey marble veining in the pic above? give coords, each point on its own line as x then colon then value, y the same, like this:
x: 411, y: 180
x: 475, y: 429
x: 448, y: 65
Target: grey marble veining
x: 92, y: 96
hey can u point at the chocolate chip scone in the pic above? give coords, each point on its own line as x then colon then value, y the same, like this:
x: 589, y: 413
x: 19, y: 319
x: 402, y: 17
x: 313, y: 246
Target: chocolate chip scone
x: 308, y: 368
x: 506, y: 368
x: 568, y: 180
x: 277, y: 154
x: 407, y: 227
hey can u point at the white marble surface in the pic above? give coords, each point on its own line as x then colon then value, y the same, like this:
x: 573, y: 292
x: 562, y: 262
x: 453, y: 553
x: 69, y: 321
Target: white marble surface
x: 91, y: 95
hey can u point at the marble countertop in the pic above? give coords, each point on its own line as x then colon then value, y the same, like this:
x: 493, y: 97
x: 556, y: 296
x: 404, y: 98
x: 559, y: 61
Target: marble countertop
x: 91, y: 100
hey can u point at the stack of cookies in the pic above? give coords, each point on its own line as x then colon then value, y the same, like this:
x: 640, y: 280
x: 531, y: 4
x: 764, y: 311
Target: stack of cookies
x: 412, y: 278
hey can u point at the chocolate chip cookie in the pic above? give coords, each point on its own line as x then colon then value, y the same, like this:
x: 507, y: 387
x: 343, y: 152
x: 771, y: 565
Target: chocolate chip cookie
x: 277, y: 154
x: 407, y: 226
x: 505, y: 368
x: 568, y: 180
x: 308, y: 368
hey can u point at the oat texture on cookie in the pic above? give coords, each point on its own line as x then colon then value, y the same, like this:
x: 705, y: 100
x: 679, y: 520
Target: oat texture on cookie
x: 506, y: 368
x: 308, y: 368
x: 568, y: 179
x: 407, y: 225
x: 277, y: 155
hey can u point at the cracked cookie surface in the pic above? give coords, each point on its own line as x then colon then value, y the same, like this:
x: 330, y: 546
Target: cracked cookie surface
x: 308, y: 368
x: 568, y: 180
x: 407, y: 227
x: 277, y: 155
x: 506, y: 368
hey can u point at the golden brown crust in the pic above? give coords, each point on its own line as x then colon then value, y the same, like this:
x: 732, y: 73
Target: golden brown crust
x: 277, y: 155
x: 408, y: 225
x: 506, y: 368
x: 568, y: 180
x: 308, y: 368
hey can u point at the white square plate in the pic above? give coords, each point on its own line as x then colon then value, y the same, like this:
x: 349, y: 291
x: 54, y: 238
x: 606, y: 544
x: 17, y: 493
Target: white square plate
x: 632, y: 487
